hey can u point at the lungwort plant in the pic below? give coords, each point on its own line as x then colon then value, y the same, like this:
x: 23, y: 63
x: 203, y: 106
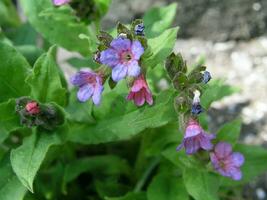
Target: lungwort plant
x: 110, y: 131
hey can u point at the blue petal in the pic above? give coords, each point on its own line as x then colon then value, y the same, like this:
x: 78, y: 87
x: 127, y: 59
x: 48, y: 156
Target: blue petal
x: 119, y: 72
x: 109, y: 57
x: 121, y: 44
x: 85, y: 92
x: 133, y: 69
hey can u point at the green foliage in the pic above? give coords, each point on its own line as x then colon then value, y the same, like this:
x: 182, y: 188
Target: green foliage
x: 10, y: 186
x: 167, y: 186
x: 27, y: 159
x: 13, y: 70
x: 45, y: 82
x: 58, y: 25
x: 159, y: 50
x: 8, y: 14
x: 200, y: 184
x: 157, y: 20
x: 124, y: 125
x: 9, y: 121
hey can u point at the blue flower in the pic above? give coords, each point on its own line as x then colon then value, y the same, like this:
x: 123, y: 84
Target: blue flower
x: 123, y: 57
x: 139, y: 29
x: 90, y: 86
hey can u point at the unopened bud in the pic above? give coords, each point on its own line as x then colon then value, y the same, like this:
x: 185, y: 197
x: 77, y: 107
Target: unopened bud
x: 32, y: 108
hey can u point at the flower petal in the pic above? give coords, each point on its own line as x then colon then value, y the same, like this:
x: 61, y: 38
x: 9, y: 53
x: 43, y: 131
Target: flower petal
x: 121, y: 44
x: 223, y: 149
x: 180, y: 146
x: 137, y: 49
x: 109, y: 57
x: 149, y: 98
x: 81, y: 78
x: 235, y: 174
x: 191, y: 145
x: 237, y: 159
x: 205, y: 142
x: 193, y: 130
x: 130, y: 96
x: 133, y: 69
x: 119, y: 72
x: 85, y: 92
x: 139, y: 98
x: 97, y: 94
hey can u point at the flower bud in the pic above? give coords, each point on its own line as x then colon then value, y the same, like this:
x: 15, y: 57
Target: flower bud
x: 32, y: 108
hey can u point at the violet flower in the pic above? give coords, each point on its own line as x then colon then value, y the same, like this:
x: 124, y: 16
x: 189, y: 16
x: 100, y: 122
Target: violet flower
x: 123, y: 56
x: 226, y: 162
x: 140, y: 92
x: 90, y: 86
x: 60, y: 2
x: 195, y: 138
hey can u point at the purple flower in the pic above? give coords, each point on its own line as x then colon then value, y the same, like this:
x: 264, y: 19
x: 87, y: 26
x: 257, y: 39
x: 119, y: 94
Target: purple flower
x: 140, y: 92
x: 195, y: 138
x: 123, y: 56
x: 60, y: 2
x: 90, y: 85
x: 226, y: 162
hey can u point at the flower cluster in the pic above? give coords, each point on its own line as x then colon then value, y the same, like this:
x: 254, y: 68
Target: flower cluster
x: 188, y: 106
x: 120, y: 58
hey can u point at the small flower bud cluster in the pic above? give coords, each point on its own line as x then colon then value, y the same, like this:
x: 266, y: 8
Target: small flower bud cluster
x: 120, y: 58
x: 33, y: 113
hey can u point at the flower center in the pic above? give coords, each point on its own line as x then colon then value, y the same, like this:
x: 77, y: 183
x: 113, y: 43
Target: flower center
x: 126, y: 56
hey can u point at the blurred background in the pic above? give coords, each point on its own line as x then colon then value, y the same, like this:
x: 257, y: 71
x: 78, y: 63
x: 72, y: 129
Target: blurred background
x: 231, y: 36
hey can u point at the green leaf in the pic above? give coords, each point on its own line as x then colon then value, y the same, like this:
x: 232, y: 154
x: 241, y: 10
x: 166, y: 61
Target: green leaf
x: 10, y: 186
x: 8, y: 14
x: 124, y: 125
x: 160, y: 50
x: 58, y: 25
x: 30, y: 52
x: 158, y: 19
x: 13, y: 70
x: 82, y: 62
x: 229, y: 132
x: 216, y: 91
x: 200, y: 184
x: 180, y: 159
x: 45, y: 80
x: 27, y: 158
x: 166, y: 186
x: 105, y: 165
x: 255, y: 163
x: 130, y: 196
x: 79, y: 112
x: 9, y: 119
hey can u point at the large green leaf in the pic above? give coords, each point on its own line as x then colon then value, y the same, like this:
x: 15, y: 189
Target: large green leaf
x: 9, y: 119
x: 13, y: 70
x: 229, y: 132
x: 105, y: 165
x: 167, y: 186
x: 255, y: 163
x: 27, y: 158
x: 158, y: 19
x: 10, y: 186
x: 127, y: 124
x: 58, y: 25
x: 45, y: 82
x: 200, y: 184
x: 160, y: 47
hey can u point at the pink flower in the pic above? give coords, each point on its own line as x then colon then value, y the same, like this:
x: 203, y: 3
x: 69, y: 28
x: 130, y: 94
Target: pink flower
x: 195, y: 138
x: 32, y: 108
x: 60, y: 2
x: 140, y: 92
